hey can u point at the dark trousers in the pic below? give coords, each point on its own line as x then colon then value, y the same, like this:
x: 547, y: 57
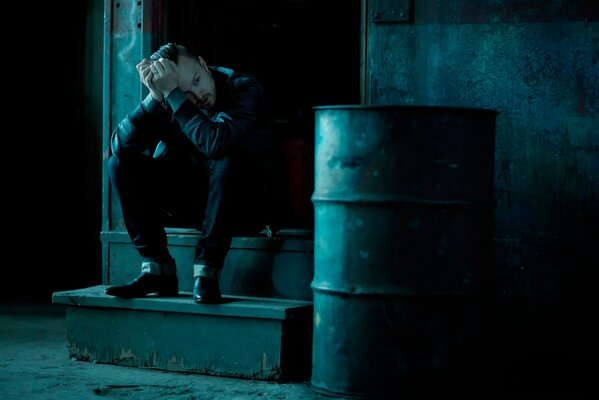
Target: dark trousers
x: 157, y: 193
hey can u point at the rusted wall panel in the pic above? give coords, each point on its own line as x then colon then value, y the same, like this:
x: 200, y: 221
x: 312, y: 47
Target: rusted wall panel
x: 536, y: 63
x: 130, y: 33
x: 543, y: 80
x: 504, y: 11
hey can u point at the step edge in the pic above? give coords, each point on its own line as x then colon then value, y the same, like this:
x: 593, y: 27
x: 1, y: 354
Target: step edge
x: 284, y: 309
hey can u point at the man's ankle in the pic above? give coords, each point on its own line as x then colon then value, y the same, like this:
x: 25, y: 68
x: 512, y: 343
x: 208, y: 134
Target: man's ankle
x: 205, y: 270
x: 158, y: 268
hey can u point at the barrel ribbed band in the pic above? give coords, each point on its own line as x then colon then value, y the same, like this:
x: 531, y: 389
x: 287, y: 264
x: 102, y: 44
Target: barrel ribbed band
x: 154, y: 268
x: 205, y: 270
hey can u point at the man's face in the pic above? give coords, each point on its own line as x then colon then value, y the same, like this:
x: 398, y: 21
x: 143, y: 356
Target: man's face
x: 195, y: 80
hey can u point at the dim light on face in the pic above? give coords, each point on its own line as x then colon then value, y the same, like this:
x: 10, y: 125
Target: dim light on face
x: 195, y: 80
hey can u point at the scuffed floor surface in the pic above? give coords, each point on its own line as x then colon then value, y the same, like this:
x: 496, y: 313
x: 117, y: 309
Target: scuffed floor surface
x: 34, y: 364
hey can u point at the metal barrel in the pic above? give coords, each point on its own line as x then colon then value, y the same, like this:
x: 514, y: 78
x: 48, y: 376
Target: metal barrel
x: 403, y: 206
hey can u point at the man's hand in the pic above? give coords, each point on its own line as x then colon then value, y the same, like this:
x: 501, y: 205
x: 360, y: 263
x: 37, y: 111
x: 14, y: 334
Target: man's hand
x: 165, y: 76
x: 146, y: 76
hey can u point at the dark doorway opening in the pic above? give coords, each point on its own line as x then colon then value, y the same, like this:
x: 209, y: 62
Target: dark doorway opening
x: 305, y: 52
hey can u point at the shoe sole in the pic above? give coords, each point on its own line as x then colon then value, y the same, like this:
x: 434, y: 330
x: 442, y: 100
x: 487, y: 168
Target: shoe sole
x: 169, y: 293
x: 208, y: 301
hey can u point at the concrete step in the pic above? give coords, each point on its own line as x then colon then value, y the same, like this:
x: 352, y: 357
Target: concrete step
x: 257, y: 338
x: 278, y: 267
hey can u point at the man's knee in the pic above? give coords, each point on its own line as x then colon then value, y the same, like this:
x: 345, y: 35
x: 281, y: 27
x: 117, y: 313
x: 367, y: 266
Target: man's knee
x: 127, y: 165
x: 113, y: 167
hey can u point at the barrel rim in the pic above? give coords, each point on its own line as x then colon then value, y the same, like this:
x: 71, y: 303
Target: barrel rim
x: 400, y: 107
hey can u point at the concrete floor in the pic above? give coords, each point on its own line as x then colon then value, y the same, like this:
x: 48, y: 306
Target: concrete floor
x: 34, y: 364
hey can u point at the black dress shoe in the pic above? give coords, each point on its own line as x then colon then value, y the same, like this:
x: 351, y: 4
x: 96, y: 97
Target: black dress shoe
x: 164, y: 285
x: 206, y: 290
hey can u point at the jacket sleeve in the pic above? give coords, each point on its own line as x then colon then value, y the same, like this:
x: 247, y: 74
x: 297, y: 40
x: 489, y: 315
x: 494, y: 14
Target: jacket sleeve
x: 217, y: 134
x: 141, y: 129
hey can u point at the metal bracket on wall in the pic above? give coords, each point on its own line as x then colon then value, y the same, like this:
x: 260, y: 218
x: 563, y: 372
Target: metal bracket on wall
x: 390, y: 11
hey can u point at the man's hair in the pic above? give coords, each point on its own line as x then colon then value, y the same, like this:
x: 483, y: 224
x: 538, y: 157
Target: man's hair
x: 172, y: 51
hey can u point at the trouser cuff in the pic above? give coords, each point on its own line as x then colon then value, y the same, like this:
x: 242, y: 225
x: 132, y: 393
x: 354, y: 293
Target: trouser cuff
x: 154, y: 268
x: 205, y: 270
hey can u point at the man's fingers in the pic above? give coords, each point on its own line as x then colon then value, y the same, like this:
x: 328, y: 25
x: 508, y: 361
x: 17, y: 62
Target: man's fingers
x: 147, y: 76
x: 161, y: 66
x: 145, y: 72
x: 158, y: 66
x: 168, y: 64
x: 149, y: 82
x: 142, y: 63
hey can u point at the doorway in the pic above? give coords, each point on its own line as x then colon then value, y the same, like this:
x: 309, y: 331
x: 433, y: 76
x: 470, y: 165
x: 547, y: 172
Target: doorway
x: 306, y: 53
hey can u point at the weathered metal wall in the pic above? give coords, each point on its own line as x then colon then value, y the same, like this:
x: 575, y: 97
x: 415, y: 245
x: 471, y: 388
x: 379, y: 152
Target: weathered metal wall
x: 536, y: 62
x: 131, y: 31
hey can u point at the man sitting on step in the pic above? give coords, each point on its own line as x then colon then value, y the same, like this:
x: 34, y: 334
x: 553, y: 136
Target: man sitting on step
x: 197, y: 152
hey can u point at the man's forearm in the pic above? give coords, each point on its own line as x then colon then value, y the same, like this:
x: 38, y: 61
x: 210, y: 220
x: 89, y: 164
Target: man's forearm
x: 216, y: 134
x: 151, y: 105
x: 139, y: 130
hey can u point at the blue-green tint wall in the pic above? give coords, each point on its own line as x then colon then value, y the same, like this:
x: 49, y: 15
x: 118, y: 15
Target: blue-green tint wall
x: 536, y: 62
x: 130, y: 32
